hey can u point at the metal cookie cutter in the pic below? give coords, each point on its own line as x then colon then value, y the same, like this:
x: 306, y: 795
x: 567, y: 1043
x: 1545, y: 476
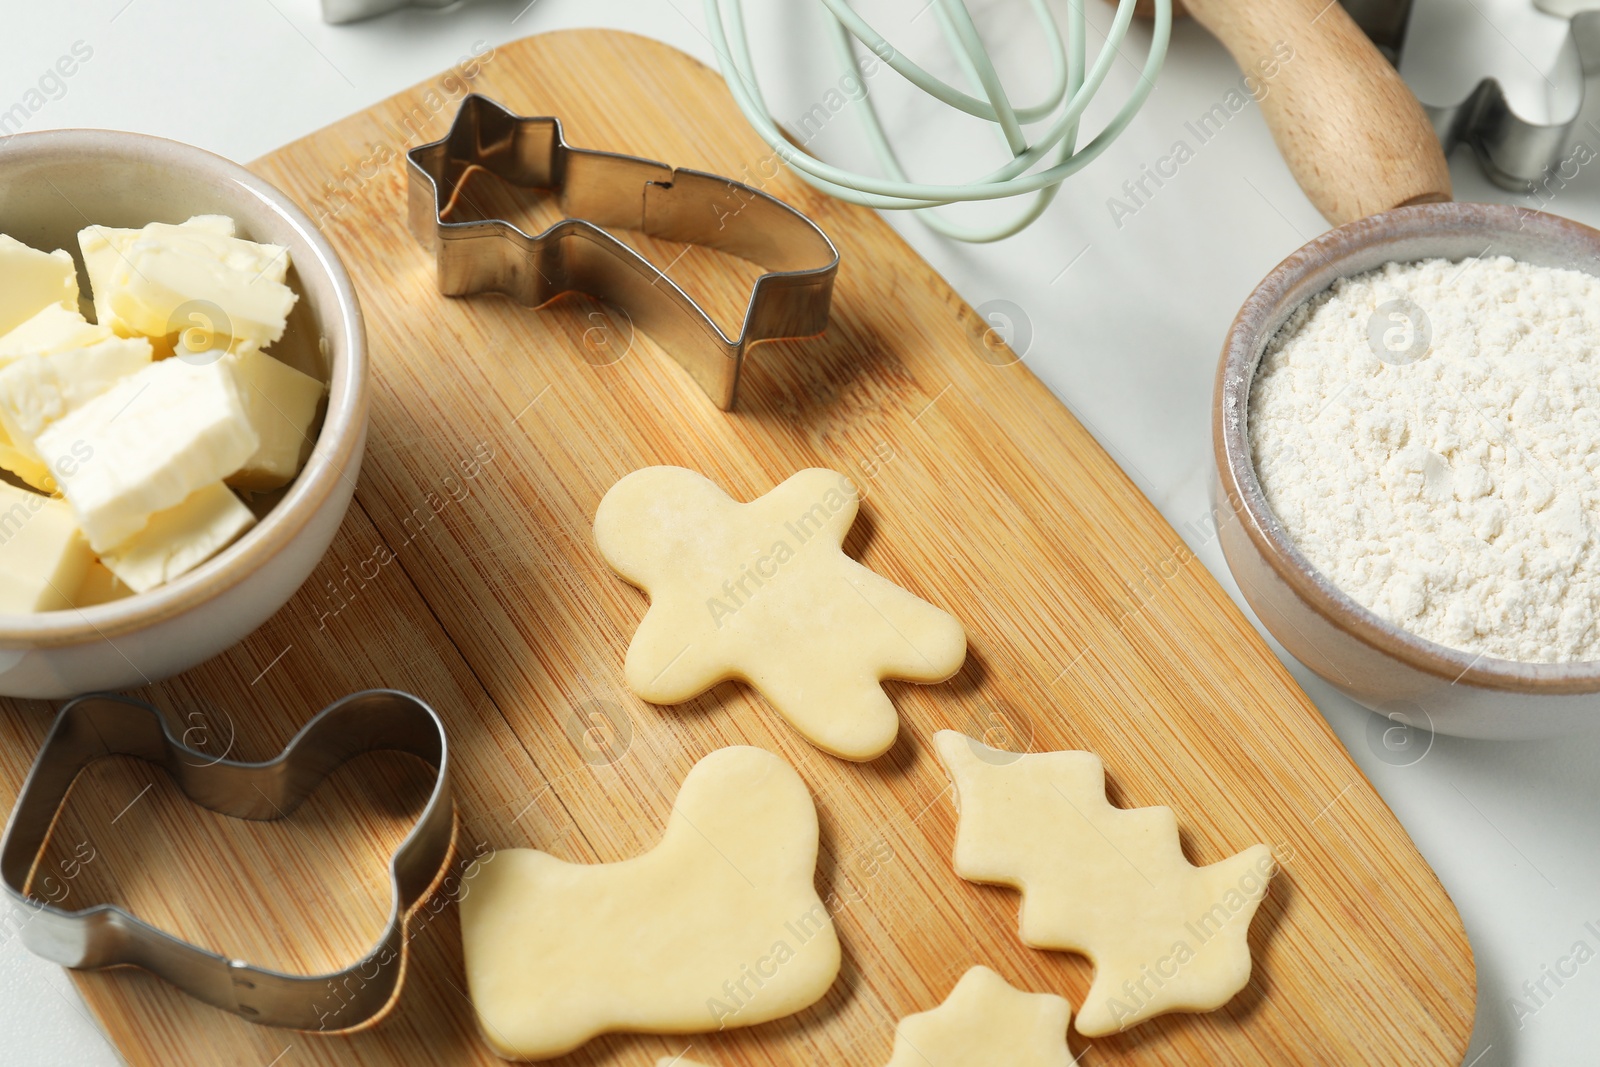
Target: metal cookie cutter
x: 338, y: 11
x: 1515, y: 153
x: 604, y: 189
x: 96, y: 726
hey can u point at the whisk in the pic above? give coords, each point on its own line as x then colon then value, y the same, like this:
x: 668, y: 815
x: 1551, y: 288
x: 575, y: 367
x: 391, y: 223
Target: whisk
x: 1038, y: 165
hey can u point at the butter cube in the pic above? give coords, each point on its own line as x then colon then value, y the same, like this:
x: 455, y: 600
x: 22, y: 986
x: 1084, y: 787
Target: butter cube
x: 281, y: 403
x: 221, y: 225
x: 104, y: 248
x: 43, y: 557
x: 180, y: 538
x: 173, y: 278
x: 107, y: 248
x: 99, y: 586
x: 146, y: 444
x: 31, y: 280
x: 204, y: 235
x: 37, y: 390
x: 48, y: 365
x: 53, y: 329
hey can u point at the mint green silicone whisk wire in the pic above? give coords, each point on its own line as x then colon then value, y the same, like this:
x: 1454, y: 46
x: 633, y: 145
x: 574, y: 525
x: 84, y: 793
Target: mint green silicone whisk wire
x: 1073, y: 84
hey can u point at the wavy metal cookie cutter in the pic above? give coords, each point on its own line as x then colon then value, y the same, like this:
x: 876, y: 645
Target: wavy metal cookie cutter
x: 1514, y: 152
x: 599, y: 190
x: 99, y: 725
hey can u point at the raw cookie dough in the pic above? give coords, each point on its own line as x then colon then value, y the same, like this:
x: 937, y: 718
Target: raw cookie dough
x: 763, y: 592
x: 1109, y: 883
x: 718, y: 926
x: 985, y: 1022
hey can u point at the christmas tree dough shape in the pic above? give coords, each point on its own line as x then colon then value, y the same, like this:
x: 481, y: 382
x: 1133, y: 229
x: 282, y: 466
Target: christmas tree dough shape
x: 985, y: 1022
x: 1109, y: 883
x: 717, y: 926
x: 763, y: 592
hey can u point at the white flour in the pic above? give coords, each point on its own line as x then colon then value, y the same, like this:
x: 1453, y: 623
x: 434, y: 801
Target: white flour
x: 1454, y: 495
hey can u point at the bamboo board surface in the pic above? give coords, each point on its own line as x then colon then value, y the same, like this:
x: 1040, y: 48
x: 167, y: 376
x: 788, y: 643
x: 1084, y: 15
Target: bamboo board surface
x: 495, y: 431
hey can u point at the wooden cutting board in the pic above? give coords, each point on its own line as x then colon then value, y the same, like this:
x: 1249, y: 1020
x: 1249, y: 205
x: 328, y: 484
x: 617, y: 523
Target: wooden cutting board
x: 495, y: 431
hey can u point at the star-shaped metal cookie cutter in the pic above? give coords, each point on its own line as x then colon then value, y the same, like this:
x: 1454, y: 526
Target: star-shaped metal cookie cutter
x: 100, y: 725
x: 597, y: 190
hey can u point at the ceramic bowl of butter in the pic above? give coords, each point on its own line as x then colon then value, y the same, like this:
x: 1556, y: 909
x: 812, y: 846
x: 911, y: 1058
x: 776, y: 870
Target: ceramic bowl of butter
x: 183, y: 405
x: 1404, y: 493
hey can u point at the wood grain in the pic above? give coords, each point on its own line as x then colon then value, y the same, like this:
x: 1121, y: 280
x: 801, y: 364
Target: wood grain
x: 1350, y: 129
x: 495, y: 431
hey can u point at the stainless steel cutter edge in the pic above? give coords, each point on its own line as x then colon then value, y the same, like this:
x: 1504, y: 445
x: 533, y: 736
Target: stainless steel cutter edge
x: 607, y: 189
x: 99, y: 725
x: 1515, y: 153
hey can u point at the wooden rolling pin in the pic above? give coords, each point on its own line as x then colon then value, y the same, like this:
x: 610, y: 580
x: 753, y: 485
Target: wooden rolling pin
x: 1354, y: 136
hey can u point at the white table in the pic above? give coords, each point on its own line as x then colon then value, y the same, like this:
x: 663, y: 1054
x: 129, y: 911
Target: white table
x: 1125, y: 324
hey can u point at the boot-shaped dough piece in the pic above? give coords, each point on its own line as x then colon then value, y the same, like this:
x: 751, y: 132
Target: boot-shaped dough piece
x: 717, y: 926
x: 763, y: 592
x: 1109, y: 883
x: 985, y: 1022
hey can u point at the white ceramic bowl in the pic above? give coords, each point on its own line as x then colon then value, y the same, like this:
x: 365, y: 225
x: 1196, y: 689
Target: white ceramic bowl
x: 52, y: 184
x: 1414, y: 681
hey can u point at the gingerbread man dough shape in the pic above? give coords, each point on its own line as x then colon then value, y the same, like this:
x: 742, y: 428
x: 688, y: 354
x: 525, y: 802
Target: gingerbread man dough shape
x: 718, y: 926
x: 1109, y: 883
x: 763, y: 592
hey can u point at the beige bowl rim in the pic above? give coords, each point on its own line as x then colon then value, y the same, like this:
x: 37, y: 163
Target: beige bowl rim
x: 1342, y: 251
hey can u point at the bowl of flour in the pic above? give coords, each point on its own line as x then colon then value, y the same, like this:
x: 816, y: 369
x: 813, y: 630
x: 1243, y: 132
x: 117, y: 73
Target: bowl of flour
x: 1407, y: 436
